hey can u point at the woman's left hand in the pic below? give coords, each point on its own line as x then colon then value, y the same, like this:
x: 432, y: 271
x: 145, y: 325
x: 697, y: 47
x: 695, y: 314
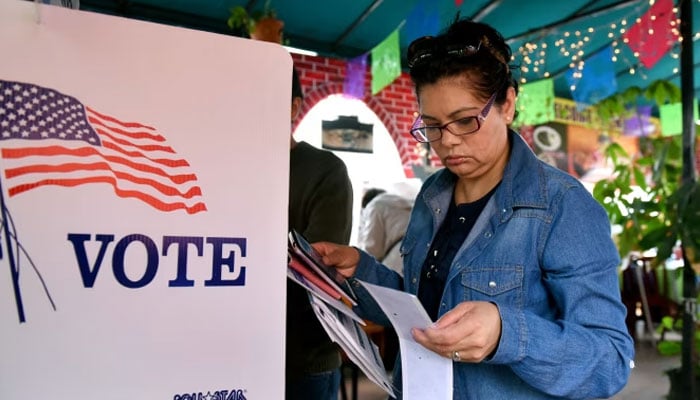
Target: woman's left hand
x: 469, y: 332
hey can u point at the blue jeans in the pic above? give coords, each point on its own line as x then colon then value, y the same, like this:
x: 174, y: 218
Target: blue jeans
x: 320, y: 386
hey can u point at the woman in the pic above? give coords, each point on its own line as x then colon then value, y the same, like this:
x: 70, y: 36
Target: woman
x: 511, y: 257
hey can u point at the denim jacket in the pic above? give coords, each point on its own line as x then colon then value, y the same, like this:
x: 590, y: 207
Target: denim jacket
x: 541, y: 251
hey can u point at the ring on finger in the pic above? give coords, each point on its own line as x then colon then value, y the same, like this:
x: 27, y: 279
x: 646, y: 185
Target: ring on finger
x: 455, y: 356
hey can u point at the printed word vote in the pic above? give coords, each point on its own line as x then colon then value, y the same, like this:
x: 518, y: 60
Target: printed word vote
x: 223, y: 258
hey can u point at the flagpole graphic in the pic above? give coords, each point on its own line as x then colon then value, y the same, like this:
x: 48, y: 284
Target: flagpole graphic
x: 14, y: 271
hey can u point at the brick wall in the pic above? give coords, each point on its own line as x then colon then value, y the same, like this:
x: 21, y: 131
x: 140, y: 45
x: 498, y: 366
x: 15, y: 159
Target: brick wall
x: 395, y: 105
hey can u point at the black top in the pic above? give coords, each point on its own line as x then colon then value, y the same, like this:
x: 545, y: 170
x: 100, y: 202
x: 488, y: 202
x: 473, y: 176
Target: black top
x: 320, y: 208
x: 451, y: 235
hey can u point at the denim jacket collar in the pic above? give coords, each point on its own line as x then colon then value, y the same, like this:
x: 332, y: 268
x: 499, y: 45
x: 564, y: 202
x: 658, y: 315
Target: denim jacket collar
x: 522, y: 185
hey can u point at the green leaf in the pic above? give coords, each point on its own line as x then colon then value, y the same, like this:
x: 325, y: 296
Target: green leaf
x: 602, y: 191
x: 239, y: 18
x: 663, y: 238
x: 666, y: 323
x: 646, y: 161
x: 668, y: 348
x: 631, y: 95
x: 639, y: 178
x: 663, y: 92
x: 614, y: 151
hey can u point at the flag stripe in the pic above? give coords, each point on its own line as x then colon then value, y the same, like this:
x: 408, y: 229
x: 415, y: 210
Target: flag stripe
x: 141, y: 167
x: 131, y: 134
x: 39, y: 168
x: 126, y: 124
x: 137, y: 154
x: 102, y: 166
x: 150, y: 147
x: 83, y: 152
x: 152, y: 201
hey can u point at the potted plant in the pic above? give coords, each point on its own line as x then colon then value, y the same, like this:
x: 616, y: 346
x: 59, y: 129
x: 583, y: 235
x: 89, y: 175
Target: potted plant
x: 663, y: 210
x: 258, y: 25
x: 672, y: 326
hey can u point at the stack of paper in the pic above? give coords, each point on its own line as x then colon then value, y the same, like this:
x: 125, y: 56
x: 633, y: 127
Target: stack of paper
x: 331, y: 297
x: 307, y: 262
x: 354, y: 341
x: 424, y: 374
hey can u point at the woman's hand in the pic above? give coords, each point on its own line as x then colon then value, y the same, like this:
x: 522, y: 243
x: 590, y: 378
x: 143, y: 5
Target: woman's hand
x: 469, y: 332
x: 343, y: 258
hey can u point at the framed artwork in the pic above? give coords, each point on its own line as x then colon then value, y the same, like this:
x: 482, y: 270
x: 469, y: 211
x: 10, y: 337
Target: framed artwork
x: 347, y: 133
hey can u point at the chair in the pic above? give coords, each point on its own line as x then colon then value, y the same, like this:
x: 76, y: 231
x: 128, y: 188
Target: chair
x: 643, y: 296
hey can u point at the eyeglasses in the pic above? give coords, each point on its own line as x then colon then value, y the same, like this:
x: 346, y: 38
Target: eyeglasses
x: 427, y: 47
x: 464, y: 126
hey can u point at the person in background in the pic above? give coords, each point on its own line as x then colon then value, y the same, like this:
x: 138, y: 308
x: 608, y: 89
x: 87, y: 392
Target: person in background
x: 511, y: 257
x: 320, y: 208
x: 369, y: 195
x: 383, y: 225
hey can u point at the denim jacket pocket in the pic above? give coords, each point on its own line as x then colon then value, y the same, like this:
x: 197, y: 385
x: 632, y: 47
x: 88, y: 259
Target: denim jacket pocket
x: 502, y: 284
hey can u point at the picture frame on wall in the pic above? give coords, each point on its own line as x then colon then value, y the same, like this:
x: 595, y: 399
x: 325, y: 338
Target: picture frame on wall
x: 347, y: 133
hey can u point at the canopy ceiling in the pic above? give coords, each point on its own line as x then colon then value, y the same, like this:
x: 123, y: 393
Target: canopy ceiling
x: 348, y: 28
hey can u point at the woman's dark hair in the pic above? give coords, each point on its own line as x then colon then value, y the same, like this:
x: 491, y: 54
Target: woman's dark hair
x: 296, y: 85
x: 466, y: 48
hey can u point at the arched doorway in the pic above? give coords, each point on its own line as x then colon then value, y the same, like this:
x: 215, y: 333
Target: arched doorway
x: 380, y: 168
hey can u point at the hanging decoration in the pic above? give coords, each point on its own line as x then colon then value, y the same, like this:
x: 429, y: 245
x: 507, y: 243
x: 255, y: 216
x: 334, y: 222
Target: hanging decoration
x: 671, y: 116
x: 654, y: 34
x: 386, y: 62
x: 355, y: 70
x: 536, y: 102
x: 639, y: 123
x: 423, y: 20
x: 592, y: 80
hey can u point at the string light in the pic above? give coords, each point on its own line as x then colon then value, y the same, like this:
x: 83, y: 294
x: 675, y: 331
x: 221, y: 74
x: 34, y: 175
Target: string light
x: 534, y: 53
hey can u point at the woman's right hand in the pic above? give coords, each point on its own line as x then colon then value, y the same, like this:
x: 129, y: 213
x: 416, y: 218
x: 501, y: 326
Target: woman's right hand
x: 343, y: 258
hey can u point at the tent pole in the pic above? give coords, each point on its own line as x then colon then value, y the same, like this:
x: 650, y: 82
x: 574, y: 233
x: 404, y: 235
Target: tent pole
x: 688, y: 355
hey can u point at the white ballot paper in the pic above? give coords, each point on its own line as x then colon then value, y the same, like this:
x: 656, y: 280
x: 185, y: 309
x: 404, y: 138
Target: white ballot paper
x: 425, y: 374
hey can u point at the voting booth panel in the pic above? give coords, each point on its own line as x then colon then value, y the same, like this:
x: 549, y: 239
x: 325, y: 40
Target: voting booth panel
x: 144, y: 174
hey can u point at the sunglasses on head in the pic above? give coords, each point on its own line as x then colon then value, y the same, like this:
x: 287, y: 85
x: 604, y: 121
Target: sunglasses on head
x: 427, y: 47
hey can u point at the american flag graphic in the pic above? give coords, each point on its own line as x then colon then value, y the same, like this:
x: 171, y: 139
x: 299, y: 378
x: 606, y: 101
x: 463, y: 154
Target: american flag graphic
x: 66, y: 143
